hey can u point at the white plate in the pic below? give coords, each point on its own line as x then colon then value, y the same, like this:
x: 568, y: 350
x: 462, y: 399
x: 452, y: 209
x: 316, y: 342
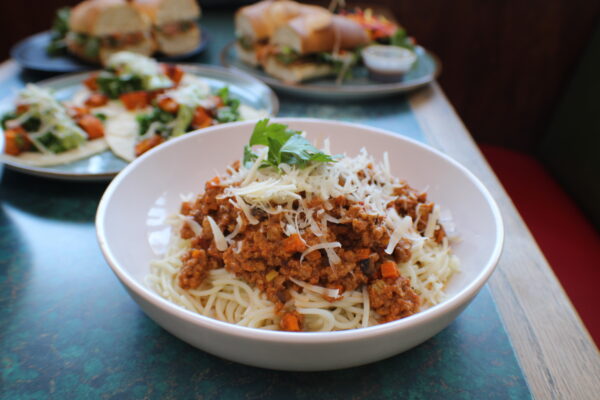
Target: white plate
x: 133, y: 207
x: 359, y: 86
x: 104, y: 166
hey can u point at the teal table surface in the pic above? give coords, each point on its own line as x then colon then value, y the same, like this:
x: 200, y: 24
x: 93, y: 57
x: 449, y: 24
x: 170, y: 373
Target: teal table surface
x: 69, y: 330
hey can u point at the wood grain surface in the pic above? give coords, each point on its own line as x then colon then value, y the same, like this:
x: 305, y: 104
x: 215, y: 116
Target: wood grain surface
x: 558, y: 357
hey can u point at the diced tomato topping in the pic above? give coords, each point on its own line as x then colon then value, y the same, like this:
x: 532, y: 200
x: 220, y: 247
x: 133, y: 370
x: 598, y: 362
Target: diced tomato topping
x: 91, y: 82
x: 21, y: 108
x: 147, y: 144
x: 16, y: 141
x: 202, y: 118
x: 91, y: 125
x: 174, y: 72
x: 168, y: 104
x: 96, y: 100
x: 135, y: 100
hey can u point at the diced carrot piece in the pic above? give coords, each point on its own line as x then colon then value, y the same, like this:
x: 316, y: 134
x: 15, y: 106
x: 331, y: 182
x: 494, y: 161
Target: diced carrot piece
x: 173, y: 72
x: 290, y: 323
x: 168, y: 104
x: 361, y: 254
x: 186, y: 207
x: 147, y: 144
x: 294, y: 244
x: 135, y: 100
x: 91, y: 83
x: 92, y: 126
x: 96, y: 100
x: 389, y: 270
x: 213, y: 182
x: 201, y: 119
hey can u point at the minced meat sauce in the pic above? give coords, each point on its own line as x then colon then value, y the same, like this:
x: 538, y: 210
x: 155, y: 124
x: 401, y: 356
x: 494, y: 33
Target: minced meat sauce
x: 265, y: 257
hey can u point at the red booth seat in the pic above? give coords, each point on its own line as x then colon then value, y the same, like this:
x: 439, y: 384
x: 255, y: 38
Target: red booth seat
x: 567, y: 238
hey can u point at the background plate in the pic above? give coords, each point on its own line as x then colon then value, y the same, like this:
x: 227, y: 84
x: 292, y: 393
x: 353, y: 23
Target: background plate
x: 31, y: 53
x: 426, y: 69
x: 105, y: 165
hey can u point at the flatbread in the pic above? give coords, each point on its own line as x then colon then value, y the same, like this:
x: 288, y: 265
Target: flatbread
x: 120, y: 126
x: 120, y: 130
x: 37, y: 159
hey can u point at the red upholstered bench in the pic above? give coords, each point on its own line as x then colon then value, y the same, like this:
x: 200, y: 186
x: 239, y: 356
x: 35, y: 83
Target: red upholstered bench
x: 567, y: 238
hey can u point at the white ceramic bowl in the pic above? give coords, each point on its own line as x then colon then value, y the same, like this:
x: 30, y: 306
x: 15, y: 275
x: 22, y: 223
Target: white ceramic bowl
x: 130, y: 226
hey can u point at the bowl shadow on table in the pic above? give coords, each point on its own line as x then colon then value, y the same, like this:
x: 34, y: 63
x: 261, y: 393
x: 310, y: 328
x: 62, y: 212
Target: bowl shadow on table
x: 53, y: 199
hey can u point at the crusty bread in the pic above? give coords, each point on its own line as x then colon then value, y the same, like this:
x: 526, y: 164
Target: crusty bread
x: 296, y: 72
x: 105, y: 17
x: 307, y: 34
x: 259, y: 21
x: 166, y: 11
x: 179, y: 43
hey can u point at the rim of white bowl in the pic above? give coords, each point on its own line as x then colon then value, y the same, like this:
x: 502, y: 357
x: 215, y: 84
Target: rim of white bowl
x: 456, y: 301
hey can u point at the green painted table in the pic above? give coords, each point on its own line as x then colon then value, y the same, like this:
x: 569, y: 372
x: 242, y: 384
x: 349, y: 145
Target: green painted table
x: 69, y: 330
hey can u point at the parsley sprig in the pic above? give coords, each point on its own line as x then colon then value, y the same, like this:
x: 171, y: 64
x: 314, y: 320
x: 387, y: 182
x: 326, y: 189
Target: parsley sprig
x: 286, y: 146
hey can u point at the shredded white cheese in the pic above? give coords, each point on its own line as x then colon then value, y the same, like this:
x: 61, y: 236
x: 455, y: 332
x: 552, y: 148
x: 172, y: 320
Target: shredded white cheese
x: 323, y: 291
x: 220, y: 240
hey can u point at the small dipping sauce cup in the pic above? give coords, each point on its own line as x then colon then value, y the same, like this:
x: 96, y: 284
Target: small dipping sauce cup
x: 388, y: 63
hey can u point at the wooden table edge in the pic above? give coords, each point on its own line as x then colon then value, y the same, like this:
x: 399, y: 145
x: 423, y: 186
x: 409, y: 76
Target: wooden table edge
x: 556, y: 352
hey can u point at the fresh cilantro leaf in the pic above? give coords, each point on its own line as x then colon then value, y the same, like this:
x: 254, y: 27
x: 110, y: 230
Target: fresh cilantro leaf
x: 298, y: 151
x: 286, y: 146
x: 263, y: 130
x: 230, y: 112
x: 249, y: 156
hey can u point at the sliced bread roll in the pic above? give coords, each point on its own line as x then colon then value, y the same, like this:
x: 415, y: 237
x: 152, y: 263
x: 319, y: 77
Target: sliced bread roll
x: 298, y: 71
x: 311, y: 34
x: 98, y: 28
x: 163, y: 12
x: 173, y: 24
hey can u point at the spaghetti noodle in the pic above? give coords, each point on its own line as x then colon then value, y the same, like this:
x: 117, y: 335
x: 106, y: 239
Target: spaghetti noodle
x: 333, y: 246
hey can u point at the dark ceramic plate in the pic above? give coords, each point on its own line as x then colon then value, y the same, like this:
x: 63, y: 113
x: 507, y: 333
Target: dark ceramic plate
x: 359, y: 86
x: 31, y: 53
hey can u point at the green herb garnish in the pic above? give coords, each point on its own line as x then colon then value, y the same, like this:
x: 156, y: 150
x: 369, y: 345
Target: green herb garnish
x: 401, y: 39
x: 157, y: 115
x: 114, y: 85
x: 286, y: 146
x: 7, y: 117
x: 230, y: 112
x: 59, y: 30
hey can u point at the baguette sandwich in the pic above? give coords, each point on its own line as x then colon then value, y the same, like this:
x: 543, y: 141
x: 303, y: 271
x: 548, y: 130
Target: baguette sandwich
x: 256, y: 23
x: 174, y: 24
x: 314, y: 46
x: 99, y: 28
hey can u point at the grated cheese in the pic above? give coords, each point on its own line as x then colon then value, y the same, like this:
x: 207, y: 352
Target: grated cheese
x: 220, y: 240
x: 323, y: 291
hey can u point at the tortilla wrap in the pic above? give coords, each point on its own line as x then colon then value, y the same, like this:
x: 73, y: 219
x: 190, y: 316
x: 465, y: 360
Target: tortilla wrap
x: 38, y: 159
x: 120, y: 126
